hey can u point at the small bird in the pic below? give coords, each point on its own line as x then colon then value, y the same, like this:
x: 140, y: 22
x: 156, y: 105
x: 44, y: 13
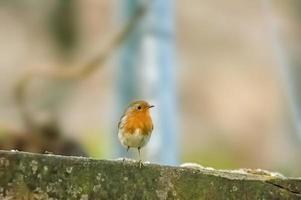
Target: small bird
x: 136, y: 126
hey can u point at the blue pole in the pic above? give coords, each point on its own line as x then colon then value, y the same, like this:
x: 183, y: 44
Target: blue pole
x: 284, y: 68
x: 127, y: 68
x: 146, y: 70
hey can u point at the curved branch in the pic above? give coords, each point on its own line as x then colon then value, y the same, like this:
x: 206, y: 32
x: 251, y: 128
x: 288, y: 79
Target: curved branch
x: 77, y: 73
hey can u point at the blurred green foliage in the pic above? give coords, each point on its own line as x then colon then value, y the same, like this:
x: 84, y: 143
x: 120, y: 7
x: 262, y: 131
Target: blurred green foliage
x: 96, y: 143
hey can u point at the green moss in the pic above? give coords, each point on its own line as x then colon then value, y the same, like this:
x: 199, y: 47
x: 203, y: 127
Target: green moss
x: 58, y: 177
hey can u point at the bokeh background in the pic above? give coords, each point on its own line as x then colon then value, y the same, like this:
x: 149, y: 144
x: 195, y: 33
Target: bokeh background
x: 233, y: 66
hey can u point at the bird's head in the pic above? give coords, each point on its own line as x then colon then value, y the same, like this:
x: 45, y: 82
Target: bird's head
x: 138, y: 107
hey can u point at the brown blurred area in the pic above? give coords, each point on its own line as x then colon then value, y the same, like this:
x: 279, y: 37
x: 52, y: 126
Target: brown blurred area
x: 44, y: 36
x: 232, y: 107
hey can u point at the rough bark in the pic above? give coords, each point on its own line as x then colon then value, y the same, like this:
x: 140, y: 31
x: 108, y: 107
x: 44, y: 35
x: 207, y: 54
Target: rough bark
x: 36, y: 176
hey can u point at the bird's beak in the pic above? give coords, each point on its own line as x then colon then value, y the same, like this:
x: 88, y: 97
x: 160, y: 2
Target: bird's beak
x: 151, y: 106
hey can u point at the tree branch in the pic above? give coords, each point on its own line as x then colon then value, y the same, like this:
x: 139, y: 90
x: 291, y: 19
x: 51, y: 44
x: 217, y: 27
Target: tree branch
x: 59, y: 177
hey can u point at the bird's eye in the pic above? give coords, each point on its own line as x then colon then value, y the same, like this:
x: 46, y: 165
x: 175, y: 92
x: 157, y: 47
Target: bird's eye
x: 139, y: 107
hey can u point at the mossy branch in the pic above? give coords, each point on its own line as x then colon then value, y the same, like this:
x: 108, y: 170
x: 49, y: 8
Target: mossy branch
x: 37, y: 176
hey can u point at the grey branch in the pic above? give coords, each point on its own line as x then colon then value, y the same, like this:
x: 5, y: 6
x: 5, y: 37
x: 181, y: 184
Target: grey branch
x: 39, y: 176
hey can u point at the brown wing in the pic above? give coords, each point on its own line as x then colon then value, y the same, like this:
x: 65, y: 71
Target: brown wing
x: 120, y: 123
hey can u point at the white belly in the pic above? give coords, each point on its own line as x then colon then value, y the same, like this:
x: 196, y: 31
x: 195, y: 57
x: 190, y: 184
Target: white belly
x: 133, y: 140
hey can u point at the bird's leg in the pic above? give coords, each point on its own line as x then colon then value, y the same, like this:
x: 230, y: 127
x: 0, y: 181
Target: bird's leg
x: 140, y: 161
x: 127, y: 150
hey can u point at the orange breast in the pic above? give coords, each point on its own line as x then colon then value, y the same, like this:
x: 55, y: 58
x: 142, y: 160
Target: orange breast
x: 140, y: 121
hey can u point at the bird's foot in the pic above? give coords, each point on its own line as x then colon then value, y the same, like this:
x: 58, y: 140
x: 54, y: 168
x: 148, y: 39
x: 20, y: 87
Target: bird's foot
x: 140, y: 164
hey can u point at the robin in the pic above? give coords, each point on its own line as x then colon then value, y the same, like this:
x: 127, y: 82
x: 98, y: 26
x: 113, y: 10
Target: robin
x: 136, y: 126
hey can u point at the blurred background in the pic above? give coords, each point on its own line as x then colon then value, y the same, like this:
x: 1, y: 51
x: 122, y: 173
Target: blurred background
x: 224, y: 77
